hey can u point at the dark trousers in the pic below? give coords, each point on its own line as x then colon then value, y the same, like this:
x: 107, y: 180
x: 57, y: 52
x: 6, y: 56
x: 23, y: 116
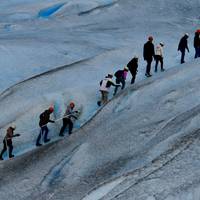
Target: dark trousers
x: 43, y: 131
x: 66, y: 121
x: 148, y: 68
x: 182, y: 56
x: 133, y: 77
x: 197, y: 52
x: 9, y: 145
x: 118, y: 81
x: 158, y: 59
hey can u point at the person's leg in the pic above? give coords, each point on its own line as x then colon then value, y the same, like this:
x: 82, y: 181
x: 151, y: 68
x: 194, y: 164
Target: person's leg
x: 9, y: 143
x: 116, y: 87
x: 182, y: 56
x: 196, y: 52
x: 63, y: 127
x: 39, y: 137
x: 149, y: 66
x: 46, y: 131
x: 123, y: 82
x: 156, y: 65
x: 161, y: 63
x: 133, y: 78
x: 70, y: 126
x: 4, y: 149
x: 105, y: 97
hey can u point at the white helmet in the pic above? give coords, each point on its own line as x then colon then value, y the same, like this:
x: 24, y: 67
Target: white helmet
x: 162, y: 44
x: 126, y: 68
x: 13, y: 126
x: 187, y: 34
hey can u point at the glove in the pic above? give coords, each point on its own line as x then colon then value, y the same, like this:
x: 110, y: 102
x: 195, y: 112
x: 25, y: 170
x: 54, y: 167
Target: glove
x: 76, y: 111
x: 17, y: 135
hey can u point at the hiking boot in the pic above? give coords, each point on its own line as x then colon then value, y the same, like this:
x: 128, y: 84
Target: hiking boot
x: 47, y: 140
x: 148, y: 75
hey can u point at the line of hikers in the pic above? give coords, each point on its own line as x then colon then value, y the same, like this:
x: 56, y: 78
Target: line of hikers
x: 68, y: 120
x: 149, y: 53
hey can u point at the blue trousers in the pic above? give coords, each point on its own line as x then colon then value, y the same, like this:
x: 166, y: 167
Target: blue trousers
x: 43, y: 132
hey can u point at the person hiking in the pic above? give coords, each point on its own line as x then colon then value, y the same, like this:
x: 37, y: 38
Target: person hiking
x: 44, y: 120
x: 68, y: 118
x: 133, y: 66
x: 7, y: 142
x: 183, y: 45
x: 105, y: 85
x: 121, y: 78
x: 159, y: 56
x: 148, y: 54
x: 197, y: 44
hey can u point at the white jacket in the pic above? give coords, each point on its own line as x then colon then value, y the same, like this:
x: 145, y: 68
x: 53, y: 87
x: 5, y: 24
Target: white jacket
x: 159, y: 50
x: 104, y: 83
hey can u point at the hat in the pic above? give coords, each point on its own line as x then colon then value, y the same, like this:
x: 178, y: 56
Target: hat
x: 72, y: 104
x: 126, y: 68
x: 51, y: 109
x: 161, y: 43
x: 150, y: 38
x: 13, y: 126
x: 110, y: 75
x: 187, y: 34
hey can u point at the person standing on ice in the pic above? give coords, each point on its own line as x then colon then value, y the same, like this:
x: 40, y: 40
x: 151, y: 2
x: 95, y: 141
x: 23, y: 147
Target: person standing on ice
x: 148, y: 54
x: 105, y: 85
x: 197, y: 44
x: 44, y: 120
x: 159, y: 56
x: 183, y: 45
x: 7, y: 142
x: 133, y: 66
x: 121, y: 78
x: 68, y: 118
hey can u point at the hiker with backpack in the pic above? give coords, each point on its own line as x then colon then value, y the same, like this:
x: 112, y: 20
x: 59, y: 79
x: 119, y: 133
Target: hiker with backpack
x: 105, y: 85
x: 121, y: 78
x: 7, y: 142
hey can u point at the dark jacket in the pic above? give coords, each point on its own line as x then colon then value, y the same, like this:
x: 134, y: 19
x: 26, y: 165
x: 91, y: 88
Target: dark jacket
x: 183, y: 44
x: 119, y: 74
x: 196, y: 40
x: 45, y: 118
x: 148, y: 51
x: 133, y: 65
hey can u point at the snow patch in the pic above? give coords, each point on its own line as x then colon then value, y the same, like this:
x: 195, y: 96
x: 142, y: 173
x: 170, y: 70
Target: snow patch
x: 103, y: 190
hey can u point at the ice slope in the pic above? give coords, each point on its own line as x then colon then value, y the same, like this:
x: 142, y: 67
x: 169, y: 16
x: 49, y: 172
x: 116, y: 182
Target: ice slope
x: 76, y: 30
x: 63, y: 57
x: 144, y: 144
